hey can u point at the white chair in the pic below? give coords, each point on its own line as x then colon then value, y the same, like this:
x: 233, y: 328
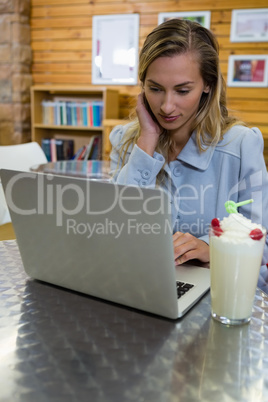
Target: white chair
x: 18, y: 157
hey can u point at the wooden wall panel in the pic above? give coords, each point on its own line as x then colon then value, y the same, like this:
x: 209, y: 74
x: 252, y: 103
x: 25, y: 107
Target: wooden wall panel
x: 61, y: 34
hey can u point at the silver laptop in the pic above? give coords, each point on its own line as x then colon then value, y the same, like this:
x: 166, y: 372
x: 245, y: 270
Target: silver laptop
x: 106, y: 240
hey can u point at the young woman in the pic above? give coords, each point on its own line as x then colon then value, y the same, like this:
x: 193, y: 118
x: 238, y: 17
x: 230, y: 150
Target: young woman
x: 184, y: 140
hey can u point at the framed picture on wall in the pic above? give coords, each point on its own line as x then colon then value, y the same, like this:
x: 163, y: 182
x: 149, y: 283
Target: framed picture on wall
x: 202, y: 17
x: 248, y: 71
x: 249, y: 25
x: 115, y: 45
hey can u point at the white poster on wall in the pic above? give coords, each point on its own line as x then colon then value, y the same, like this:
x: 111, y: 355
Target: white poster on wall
x: 115, y: 44
x: 248, y: 70
x: 202, y: 17
x: 249, y: 25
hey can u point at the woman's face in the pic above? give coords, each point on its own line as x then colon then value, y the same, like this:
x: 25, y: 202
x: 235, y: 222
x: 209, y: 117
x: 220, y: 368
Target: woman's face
x: 173, y: 87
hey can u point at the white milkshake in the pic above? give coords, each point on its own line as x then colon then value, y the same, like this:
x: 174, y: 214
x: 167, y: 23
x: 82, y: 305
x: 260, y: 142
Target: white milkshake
x: 236, y: 249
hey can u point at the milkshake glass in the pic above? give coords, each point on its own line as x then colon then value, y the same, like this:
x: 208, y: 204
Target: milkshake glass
x: 236, y: 249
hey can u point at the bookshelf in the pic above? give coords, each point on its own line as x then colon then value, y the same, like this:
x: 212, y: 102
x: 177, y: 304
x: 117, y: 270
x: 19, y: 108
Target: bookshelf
x: 81, y: 134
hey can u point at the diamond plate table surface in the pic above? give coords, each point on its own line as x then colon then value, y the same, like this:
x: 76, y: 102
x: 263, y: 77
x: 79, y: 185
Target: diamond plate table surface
x: 58, y: 345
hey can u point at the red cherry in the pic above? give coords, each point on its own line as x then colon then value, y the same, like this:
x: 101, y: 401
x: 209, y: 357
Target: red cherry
x: 256, y: 234
x: 217, y: 231
x: 215, y: 223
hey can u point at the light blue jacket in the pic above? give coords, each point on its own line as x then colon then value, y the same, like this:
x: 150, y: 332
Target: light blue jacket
x: 200, y: 183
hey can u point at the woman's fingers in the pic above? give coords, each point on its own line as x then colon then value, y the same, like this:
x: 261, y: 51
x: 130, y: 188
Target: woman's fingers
x: 188, y: 247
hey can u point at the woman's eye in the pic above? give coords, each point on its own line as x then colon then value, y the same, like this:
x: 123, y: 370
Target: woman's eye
x: 154, y: 89
x: 183, y: 91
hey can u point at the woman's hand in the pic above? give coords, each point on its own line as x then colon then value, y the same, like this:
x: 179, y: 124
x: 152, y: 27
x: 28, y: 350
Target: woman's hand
x: 188, y: 247
x: 150, y: 129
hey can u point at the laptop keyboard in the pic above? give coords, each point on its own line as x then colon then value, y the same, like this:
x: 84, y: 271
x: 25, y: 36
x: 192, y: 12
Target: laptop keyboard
x: 182, y: 288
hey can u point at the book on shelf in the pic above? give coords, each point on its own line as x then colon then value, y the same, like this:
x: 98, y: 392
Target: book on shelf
x: 90, y: 151
x: 95, y: 152
x: 89, y: 148
x: 53, y: 151
x: 79, y: 156
x: 75, y: 112
x: 57, y: 149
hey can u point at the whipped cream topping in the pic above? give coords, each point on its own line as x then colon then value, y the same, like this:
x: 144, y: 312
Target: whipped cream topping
x: 236, y: 228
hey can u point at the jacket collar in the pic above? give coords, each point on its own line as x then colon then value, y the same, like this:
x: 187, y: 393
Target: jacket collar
x: 191, y: 155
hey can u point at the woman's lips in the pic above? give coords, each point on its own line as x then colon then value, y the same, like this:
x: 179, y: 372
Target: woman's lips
x: 169, y: 119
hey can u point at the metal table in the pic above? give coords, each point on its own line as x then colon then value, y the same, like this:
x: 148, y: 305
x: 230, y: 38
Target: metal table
x: 58, y: 345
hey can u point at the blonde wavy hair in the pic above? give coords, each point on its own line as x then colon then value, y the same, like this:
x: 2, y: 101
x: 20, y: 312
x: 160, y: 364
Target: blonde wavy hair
x: 174, y: 37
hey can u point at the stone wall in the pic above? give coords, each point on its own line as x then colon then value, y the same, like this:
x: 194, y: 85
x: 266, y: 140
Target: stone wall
x: 15, y: 71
